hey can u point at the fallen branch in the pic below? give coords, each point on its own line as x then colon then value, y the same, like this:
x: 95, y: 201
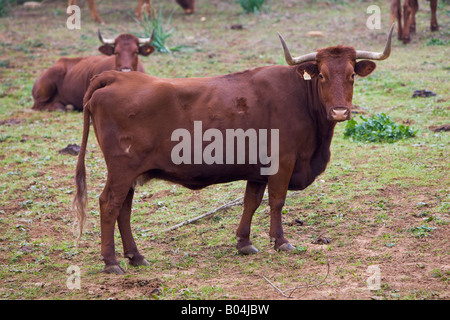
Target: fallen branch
x: 283, y: 292
x: 235, y: 202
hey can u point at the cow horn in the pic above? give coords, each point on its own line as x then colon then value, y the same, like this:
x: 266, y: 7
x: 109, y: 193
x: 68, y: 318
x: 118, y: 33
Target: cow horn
x: 292, y: 61
x: 104, y: 41
x: 377, y: 55
x: 147, y: 40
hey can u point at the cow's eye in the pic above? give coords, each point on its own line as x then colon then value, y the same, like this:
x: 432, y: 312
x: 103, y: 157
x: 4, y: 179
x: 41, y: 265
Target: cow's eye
x: 353, y: 75
x: 320, y: 76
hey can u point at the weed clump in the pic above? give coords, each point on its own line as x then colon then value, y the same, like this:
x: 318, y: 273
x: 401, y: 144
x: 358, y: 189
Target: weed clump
x: 252, y: 6
x: 155, y: 24
x: 378, y: 128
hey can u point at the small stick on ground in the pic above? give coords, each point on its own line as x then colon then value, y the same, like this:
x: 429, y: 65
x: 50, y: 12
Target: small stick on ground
x: 235, y: 202
x: 300, y: 287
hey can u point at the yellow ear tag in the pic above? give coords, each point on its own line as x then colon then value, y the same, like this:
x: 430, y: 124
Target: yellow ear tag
x: 306, y: 76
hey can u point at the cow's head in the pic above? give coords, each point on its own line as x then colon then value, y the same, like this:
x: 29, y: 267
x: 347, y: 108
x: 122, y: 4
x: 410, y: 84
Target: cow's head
x: 126, y: 48
x: 334, y: 69
x: 187, y: 5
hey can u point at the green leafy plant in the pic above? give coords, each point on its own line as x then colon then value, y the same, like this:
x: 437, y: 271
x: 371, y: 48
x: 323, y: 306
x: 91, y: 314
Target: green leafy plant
x: 436, y: 42
x: 161, y: 30
x: 378, y: 128
x: 252, y: 6
x: 422, y: 231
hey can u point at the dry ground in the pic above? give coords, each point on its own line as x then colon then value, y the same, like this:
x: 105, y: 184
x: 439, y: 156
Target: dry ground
x: 380, y: 206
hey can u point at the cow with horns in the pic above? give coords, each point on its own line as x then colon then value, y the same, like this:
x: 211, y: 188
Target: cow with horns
x: 63, y: 85
x: 140, y: 122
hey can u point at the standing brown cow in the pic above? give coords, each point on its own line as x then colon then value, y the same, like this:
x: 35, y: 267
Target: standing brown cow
x: 410, y: 8
x: 144, y: 126
x: 66, y: 82
x: 187, y: 5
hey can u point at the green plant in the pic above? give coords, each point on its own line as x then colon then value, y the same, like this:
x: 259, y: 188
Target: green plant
x: 422, y: 231
x: 378, y: 128
x: 436, y: 42
x: 252, y: 6
x: 155, y: 24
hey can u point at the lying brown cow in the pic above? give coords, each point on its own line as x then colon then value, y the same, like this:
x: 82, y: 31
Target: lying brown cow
x: 144, y: 127
x: 65, y: 83
x: 187, y: 5
x: 410, y: 8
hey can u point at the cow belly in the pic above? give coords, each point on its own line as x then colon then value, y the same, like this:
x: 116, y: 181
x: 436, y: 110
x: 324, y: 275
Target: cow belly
x: 200, y: 176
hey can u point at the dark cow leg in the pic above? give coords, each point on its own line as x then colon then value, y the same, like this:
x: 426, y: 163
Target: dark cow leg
x: 414, y: 9
x: 129, y: 246
x: 434, y: 24
x: 111, y: 201
x: 254, y: 193
x: 406, y: 22
x: 396, y: 15
x: 278, y: 186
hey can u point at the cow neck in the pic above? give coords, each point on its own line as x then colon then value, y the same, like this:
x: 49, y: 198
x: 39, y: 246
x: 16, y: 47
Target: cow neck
x: 324, y: 128
x: 316, y: 109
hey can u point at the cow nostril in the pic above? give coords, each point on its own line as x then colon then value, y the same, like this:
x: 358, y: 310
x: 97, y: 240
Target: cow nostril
x: 339, y: 113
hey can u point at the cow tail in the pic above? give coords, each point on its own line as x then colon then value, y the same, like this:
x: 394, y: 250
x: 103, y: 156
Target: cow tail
x: 80, y: 200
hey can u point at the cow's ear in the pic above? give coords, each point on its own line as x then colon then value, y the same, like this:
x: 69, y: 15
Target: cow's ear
x: 364, y: 67
x: 106, y: 50
x: 146, y: 50
x: 308, y: 70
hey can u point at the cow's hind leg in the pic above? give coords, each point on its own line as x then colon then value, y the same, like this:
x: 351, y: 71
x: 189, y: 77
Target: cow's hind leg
x: 111, y: 203
x: 129, y: 246
x: 252, y: 199
x: 45, y: 89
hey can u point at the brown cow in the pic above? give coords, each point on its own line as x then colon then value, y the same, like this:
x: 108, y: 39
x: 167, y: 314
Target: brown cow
x: 410, y: 8
x: 65, y: 83
x: 138, y: 120
x: 187, y: 5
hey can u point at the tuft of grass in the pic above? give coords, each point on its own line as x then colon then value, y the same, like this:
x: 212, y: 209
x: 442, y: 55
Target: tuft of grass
x: 422, y: 231
x: 252, y: 6
x: 436, y: 42
x: 378, y: 128
x: 161, y: 30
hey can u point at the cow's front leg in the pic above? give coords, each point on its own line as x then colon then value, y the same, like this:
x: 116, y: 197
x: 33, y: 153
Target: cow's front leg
x: 129, y: 245
x: 433, y: 24
x: 254, y: 193
x: 278, y: 186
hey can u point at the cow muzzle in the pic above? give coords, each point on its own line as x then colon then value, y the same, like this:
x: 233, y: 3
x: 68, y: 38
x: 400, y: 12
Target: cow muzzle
x: 339, y: 114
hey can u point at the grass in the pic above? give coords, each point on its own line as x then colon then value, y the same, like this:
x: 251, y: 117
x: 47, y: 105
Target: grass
x: 252, y: 6
x: 155, y: 25
x: 379, y: 203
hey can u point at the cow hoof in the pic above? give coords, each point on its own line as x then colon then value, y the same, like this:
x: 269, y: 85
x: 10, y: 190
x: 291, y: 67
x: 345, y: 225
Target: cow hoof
x: 141, y: 262
x: 114, y: 269
x: 286, y: 247
x: 250, y: 249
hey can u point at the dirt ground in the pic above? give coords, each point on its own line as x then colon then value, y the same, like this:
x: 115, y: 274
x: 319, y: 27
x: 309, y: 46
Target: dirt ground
x: 374, y: 226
